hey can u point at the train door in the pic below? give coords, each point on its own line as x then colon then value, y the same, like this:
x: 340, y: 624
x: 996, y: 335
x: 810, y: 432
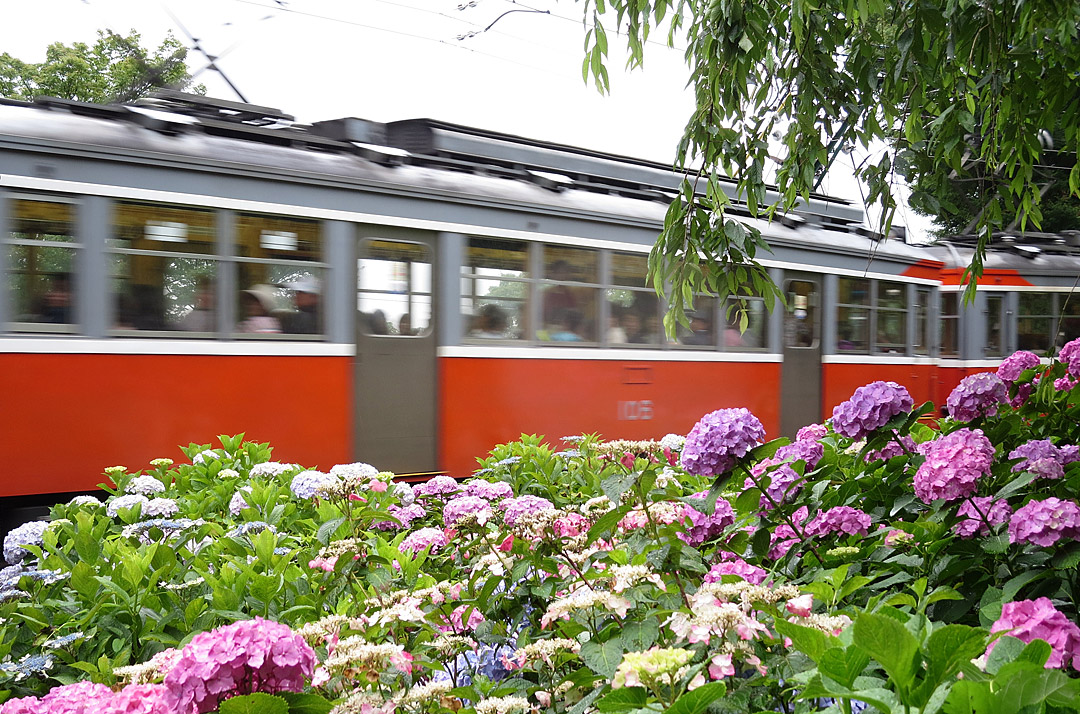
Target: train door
x: 800, y: 376
x: 396, y: 386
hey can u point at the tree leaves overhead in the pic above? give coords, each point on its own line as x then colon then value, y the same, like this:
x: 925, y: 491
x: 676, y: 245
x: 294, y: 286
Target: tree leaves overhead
x: 955, y: 88
x: 113, y: 69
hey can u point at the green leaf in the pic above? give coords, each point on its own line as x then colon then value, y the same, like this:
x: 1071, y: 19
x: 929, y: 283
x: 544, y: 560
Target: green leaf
x: 639, y: 636
x: 328, y: 529
x: 257, y: 703
x: 748, y: 501
x: 761, y: 542
x: 698, y: 700
x: 888, y: 642
x: 843, y: 664
x: 615, y: 486
x: 603, y: 658
x: 300, y: 703
x: 618, y: 700
x: 810, y: 641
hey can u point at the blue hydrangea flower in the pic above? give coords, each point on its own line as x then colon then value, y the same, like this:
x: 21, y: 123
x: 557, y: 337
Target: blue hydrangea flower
x: 307, y: 484
x: 118, y: 503
x: 719, y: 440
x: 29, y: 533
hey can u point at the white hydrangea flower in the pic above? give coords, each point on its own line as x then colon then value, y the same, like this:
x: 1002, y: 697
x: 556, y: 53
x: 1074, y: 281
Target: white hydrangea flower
x: 205, y: 455
x: 120, y: 502
x: 307, y: 484
x: 146, y: 485
x: 359, y: 471
x: 271, y: 469
x: 160, y: 507
x: 29, y: 533
x: 84, y: 501
x: 674, y: 442
x: 228, y: 473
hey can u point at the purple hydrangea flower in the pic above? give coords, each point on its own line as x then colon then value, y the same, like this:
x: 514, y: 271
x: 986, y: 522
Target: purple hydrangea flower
x: 812, y: 432
x: 515, y: 508
x: 1042, y: 458
x: 242, y: 658
x: 870, y: 408
x: 996, y: 513
x: 1070, y: 356
x: 307, y: 484
x: 704, y: 527
x: 424, y: 537
x: 1029, y: 620
x: 977, y: 395
x: 784, y: 481
x: 719, y: 439
x: 437, y: 486
x: 841, y: 519
x: 463, y: 506
x: 808, y: 450
x: 953, y: 465
x: 405, y: 514
x: 891, y: 449
x: 489, y: 490
x: 784, y: 537
x: 29, y: 533
x: 1045, y: 522
x: 736, y: 566
x: 1014, y: 365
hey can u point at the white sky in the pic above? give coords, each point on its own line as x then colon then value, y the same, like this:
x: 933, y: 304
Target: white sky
x: 402, y: 59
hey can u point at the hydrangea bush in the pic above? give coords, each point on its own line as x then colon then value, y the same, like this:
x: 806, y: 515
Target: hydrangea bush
x: 883, y: 561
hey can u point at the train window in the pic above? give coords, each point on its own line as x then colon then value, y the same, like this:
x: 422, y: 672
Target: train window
x: 569, y: 294
x: 753, y: 338
x: 891, y: 332
x: 702, y: 330
x: 394, y: 288
x: 1069, y: 323
x: 280, y: 275
x: 922, y: 321
x: 41, y: 259
x: 995, y: 310
x: 949, y: 338
x: 1035, y: 317
x: 800, y: 318
x: 495, y: 289
x: 853, y: 315
x: 633, y: 308
x: 162, y: 267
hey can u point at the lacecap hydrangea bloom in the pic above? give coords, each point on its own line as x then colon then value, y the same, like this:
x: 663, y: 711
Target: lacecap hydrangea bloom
x: 308, y: 484
x: 841, y: 519
x: 656, y: 665
x: 29, y: 533
x: 719, y: 440
x: 977, y: 509
x: 870, y: 408
x: 1045, y: 522
x: 954, y: 463
x: 1029, y: 620
x: 515, y: 508
x: 242, y: 658
x: 976, y: 396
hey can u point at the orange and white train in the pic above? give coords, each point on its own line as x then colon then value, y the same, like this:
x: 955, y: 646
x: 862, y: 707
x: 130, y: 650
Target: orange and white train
x: 410, y: 294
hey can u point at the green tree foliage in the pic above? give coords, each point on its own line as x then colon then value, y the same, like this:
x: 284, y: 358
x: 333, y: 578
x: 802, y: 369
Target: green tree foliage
x: 954, y: 88
x: 115, y: 68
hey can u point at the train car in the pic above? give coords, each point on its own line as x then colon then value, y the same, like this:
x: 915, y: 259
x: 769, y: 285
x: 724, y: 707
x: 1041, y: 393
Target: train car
x: 410, y: 294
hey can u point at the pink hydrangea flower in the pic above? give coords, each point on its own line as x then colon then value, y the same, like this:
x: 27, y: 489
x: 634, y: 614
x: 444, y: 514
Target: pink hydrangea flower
x: 812, y: 432
x: 242, y: 658
x: 801, y: 606
x: 456, y: 624
x: 78, y: 698
x: 996, y: 513
x: 736, y: 566
x: 891, y: 449
x: 1045, y: 522
x: 1070, y: 355
x: 462, y: 506
x: 1041, y: 457
x: 1029, y: 620
x: 515, y: 508
x: 1014, y: 365
x: 784, y: 537
x: 140, y: 699
x: 424, y: 537
x: 702, y: 527
x: 437, y: 486
x: 488, y: 490
x: 569, y: 525
x: 953, y: 465
x: 841, y: 519
x: 784, y: 481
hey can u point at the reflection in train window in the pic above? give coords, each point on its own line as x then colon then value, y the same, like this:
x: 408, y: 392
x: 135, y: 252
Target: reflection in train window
x: 891, y: 313
x: 41, y: 262
x: 921, y: 338
x: 495, y: 289
x: 569, y: 294
x: 702, y: 318
x: 753, y: 337
x: 280, y: 277
x: 634, y: 316
x: 394, y: 288
x: 995, y: 314
x: 949, y: 337
x: 1034, y: 322
x: 162, y: 267
x: 853, y: 315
